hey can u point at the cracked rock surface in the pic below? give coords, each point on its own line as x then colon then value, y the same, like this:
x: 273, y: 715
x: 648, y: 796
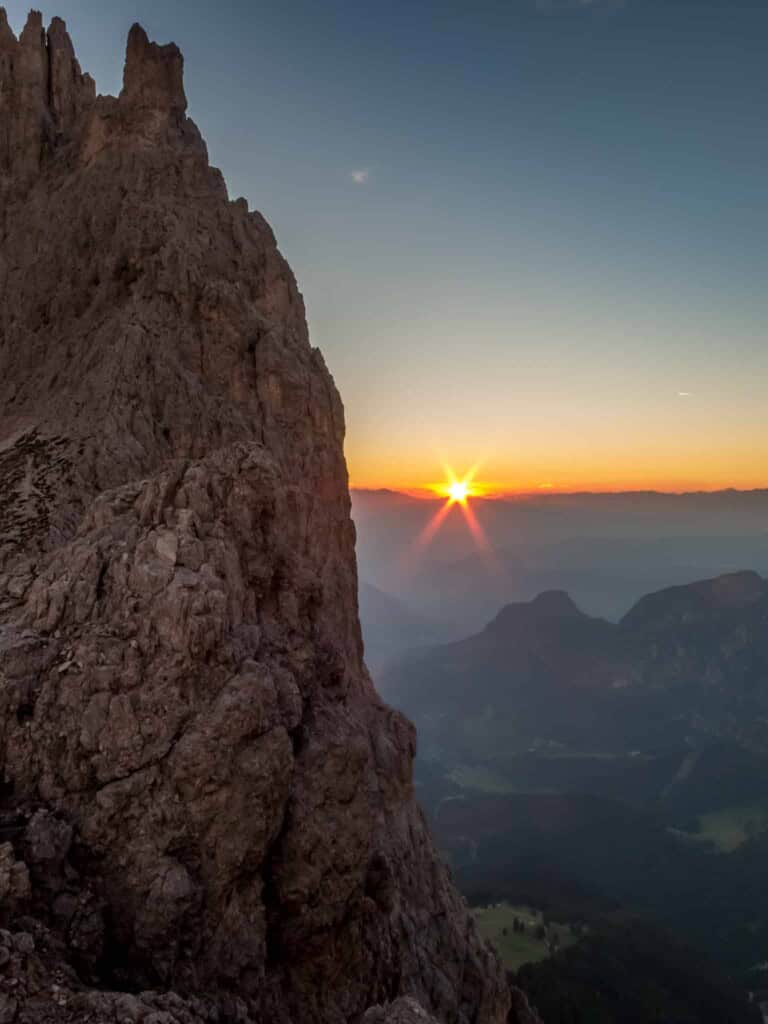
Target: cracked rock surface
x: 206, y: 813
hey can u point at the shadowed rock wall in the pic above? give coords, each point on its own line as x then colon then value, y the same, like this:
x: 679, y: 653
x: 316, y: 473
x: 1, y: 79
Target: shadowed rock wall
x: 202, y: 792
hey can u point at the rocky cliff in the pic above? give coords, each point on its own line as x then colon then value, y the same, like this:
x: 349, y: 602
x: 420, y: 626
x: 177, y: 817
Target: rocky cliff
x: 206, y: 813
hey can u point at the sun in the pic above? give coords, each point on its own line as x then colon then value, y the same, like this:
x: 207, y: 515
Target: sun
x: 458, y: 490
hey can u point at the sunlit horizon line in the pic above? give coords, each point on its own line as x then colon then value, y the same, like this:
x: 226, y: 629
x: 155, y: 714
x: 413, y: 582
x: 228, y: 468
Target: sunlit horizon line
x: 432, y: 492
x: 444, y: 489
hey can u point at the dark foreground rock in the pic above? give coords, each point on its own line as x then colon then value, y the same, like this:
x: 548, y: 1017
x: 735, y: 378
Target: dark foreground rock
x: 207, y: 812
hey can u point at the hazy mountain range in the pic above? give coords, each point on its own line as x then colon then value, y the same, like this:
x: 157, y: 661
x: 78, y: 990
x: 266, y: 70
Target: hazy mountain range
x: 630, y: 757
x: 605, y: 550
x: 391, y: 626
x: 684, y: 667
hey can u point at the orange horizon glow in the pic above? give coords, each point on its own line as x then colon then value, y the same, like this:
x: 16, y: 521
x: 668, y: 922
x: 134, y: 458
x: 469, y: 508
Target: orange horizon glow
x: 428, y: 492
x: 530, y: 468
x: 524, y: 489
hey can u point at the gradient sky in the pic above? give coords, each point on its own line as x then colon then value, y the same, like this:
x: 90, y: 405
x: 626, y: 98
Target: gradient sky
x: 522, y: 229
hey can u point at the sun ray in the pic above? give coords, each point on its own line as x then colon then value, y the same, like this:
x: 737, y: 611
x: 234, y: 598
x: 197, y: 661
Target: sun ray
x: 433, y: 525
x: 475, y: 528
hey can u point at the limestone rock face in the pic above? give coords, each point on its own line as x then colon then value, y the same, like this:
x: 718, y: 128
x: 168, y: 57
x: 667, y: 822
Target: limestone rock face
x: 402, y: 1011
x: 203, y: 798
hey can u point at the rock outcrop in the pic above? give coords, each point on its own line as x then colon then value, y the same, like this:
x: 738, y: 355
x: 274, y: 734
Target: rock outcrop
x: 205, y: 805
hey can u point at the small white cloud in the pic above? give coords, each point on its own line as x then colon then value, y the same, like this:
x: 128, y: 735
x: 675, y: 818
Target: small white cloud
x: 552, y: 6
x: 360, y: 176
x: 685, y: 394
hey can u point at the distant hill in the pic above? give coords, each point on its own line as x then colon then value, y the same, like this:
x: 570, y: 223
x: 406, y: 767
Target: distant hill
x: 391, y: 628
x: 685, y: 668
x: 735, y: 594
x: 666, y: 709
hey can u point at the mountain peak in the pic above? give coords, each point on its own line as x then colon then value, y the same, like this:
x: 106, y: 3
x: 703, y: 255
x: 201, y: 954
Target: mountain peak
x: 549, y: 604
x: 33, y: 32
x: 154, y: 75
x: 50, y: 106
x: 45, y: 97
x: 556, y: 603
x: 694, y: 601
x: 738, y: 588
x: 7, y: 36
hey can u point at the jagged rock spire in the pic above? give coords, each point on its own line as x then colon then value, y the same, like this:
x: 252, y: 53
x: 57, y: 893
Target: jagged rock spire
x: 24, y: 121
x: 7, y: 38
x: 154, y: 75
x: 47, y: 103
x: 44, y: 97
x: 71, y: 91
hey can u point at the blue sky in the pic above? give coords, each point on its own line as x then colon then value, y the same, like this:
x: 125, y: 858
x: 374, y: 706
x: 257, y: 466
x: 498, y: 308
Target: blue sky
x: 522, y: 229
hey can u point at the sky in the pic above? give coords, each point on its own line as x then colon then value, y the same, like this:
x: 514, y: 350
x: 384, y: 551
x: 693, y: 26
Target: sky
x: 530, y: 234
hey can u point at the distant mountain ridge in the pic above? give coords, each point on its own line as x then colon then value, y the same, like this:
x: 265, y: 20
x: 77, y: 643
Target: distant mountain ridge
x: 391, y: 628
x: 604, y: 550
x: 555, y: 495
x: 735, y: 591
x: 685, y: 667
x: 630, y: 758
